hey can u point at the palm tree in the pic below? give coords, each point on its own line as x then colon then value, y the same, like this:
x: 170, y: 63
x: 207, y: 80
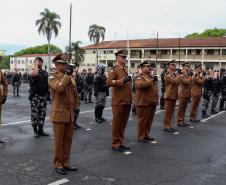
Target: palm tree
x: 95, y: 34
x: 78, y: 52
x: 48, y: 25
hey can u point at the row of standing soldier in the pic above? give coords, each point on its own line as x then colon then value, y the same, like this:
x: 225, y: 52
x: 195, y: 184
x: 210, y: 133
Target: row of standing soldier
x: 64, y: 87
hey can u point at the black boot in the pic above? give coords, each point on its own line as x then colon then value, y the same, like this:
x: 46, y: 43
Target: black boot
x: 101, y: 115
x: 41, y: 131
x: 213, y: 111
x: 97, y: 115
x: 221, y: 108
x: 204, y: 115
x: 36, y: 133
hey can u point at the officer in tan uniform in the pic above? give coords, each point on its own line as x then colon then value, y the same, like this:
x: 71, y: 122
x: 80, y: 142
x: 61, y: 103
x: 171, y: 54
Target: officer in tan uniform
x: 170, y: 96
x: 120, y: 82
x: 196, y: 92
x: 184, y: 94
x: 64, y: 102
x: 146, y: 85
x: 3, y: 94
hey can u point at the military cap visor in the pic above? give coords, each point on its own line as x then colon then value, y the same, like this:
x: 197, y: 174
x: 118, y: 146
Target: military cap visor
x: 171, y: 63
x: 186, y: 64
x: 122, y: 53
x: 62, y: 58
x: 198, y: 66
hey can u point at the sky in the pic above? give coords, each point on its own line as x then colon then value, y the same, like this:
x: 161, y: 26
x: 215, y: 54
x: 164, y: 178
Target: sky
x: 140, y: 19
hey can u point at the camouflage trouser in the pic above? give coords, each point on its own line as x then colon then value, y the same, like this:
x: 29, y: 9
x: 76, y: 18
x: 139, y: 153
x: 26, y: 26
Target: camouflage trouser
x: 38, y: 110
x: 206, y: 100
x: 133, y: 104
x: 101, y: 99
x: 16, y: 89
x: 215, y: 99
x: 88, y: 93
x: 222, y: 100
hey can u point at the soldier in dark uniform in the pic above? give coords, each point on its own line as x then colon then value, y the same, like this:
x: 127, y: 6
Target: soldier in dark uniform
x: 79, y: 85
x: 216, y: 91
x: 207, y: 92
x: 38, y: 81
x: 89, y: 78
x: 162, y: 102
x: 84, y: 85
x: 101, y: 91
x: 16, y: 83
x: 223, y: 93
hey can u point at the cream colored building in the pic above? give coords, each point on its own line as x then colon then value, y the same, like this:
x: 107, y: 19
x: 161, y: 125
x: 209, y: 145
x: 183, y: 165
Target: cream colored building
x: 210, y: 52
x: 25, y: 63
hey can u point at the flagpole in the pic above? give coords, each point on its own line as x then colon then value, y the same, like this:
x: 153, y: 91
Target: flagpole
x: 128, y: 49
x: 70, y: 34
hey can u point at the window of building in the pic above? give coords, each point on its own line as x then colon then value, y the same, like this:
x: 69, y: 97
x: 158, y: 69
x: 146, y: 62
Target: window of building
x: 210, y: 51
x: 174, y: 51
x: 132, y: 64
x: 83, y: 64
x: 209, y: 66
x: 93, y: 64
x: 18, y: 61
x: 22, y: 69
x: 198, y: 51
x: 94, y: 51
x: 153, y: 52
x: 163, y: 65
x: 22, y: 61
x: 110, y: 51
x: 189, y: 51
x: 110, y: 64
x: 88, y: 64
x: 11, y: 61
x: 223, y: 51
x: 163, y: 52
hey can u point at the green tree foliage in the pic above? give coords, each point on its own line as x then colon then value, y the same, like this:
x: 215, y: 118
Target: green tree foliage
x: 96, y: 33
x: 78, y: 51
x: 43, y: 49
x: 5, y: 62
x: 208, y: 33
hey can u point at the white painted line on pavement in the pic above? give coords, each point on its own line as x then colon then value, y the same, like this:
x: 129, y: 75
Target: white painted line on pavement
x: 59, y: 182
x: 28, y: 121
x: 127, y: 153
x: 215, y: 115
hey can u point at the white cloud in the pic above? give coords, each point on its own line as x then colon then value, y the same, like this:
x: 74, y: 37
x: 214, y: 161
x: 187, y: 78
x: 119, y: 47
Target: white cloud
x: 141, y: 18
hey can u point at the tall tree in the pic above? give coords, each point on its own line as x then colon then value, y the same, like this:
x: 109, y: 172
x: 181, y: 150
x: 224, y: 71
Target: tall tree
x: 96, y: 33
x: 48, y: 24
x: 209, y: 33
x: 78, y: 52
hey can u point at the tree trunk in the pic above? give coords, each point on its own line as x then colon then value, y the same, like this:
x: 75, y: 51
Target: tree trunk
x: 49, y: 57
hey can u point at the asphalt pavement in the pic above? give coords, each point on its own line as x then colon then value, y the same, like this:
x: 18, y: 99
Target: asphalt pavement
x: 196, y: 155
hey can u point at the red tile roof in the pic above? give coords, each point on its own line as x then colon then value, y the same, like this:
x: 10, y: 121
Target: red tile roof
x: 163, y: 43
x: 36, y: 55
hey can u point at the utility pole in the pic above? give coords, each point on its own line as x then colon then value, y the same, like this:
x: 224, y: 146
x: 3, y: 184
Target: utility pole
x: 70, y: 55
x: 157, y: 51
x: 128, y: 49
x: 179, y: 52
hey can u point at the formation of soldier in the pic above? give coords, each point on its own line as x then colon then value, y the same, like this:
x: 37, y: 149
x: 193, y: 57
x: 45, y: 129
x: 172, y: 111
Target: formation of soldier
x: 68, y: 88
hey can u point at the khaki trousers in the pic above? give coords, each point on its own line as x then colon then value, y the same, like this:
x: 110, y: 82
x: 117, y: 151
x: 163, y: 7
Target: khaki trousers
x: 169, y: 112
x: 63, y: 134
x: 145, y: 115
x: 194, y: 106
x: 183, y: 102
x: 119, y: 122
